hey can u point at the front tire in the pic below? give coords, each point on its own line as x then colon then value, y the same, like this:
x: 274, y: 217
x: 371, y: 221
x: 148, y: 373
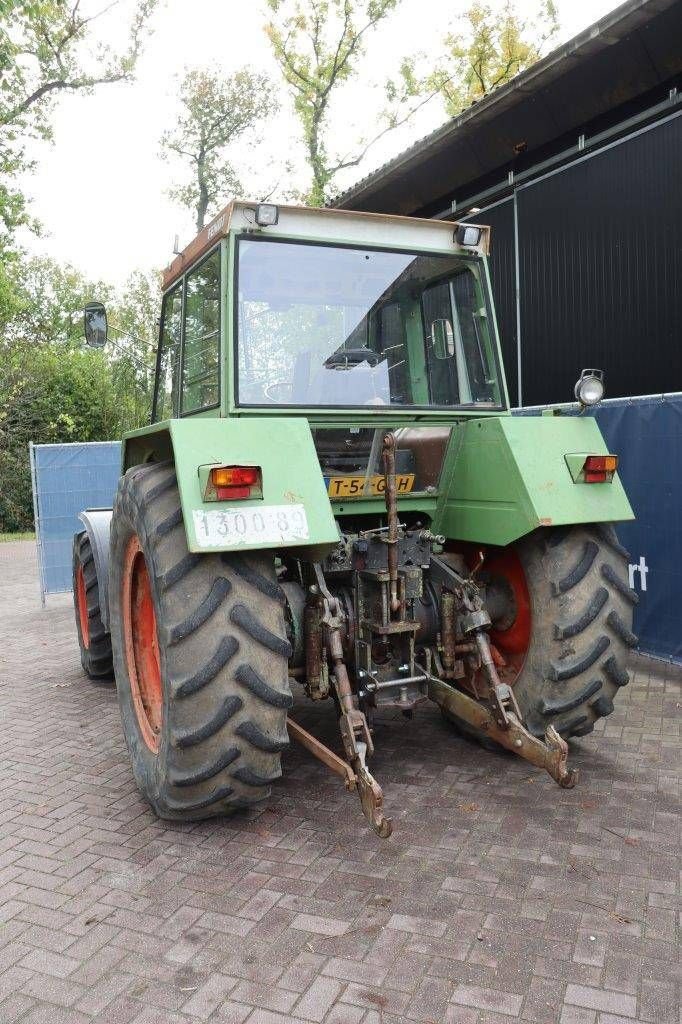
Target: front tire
x: 93, y: 639
x: 201, y: 657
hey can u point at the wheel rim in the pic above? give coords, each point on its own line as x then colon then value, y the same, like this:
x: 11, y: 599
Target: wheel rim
x: 513, y: 642
x: 82, y: 604
x: 141, y: 644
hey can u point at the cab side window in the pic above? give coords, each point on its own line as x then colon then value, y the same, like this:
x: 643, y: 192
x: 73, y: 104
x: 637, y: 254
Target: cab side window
x: 201, y: 344
x: 168, y: 378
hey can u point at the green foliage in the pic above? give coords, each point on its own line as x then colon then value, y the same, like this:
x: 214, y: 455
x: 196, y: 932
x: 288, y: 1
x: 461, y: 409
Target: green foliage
x: 216, y: 111
x: 488, y: 49
x: 54, y: 389
x: 48, y: 48
x: 318, y: 44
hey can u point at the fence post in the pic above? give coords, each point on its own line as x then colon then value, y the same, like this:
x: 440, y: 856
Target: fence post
x: 36, y: 521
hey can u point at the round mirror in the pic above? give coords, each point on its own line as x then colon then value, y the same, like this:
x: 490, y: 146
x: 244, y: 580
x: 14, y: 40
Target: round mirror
x: 95, y: 324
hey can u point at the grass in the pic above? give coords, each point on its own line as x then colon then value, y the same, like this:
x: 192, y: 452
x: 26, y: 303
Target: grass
x: 6, y: 537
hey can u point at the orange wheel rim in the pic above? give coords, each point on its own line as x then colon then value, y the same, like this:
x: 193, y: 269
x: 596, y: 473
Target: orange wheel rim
x: 141, y: 645
x: 82, y: 604
x: 512, y: 643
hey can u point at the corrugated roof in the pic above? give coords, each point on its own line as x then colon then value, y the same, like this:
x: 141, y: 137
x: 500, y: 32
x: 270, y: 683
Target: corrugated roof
x: 625, y: 54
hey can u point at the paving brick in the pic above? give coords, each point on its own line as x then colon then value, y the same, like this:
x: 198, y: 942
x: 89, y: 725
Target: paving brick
x: 231, y: 1013
x: 45, y: 962
x: 355, y: 970
x: 598, y: 999
x: 382, y: 999
x: 14, y: 1007
x: 320, y: 925
x: 498, y: 898
x: 53, y: 990
x: 577, y: 1015
x: 101, y: 995
x: 488, y: 999
x: 209, y: 996
x: 319, y: 999
x: 265, y: 996
x: 417, y: 925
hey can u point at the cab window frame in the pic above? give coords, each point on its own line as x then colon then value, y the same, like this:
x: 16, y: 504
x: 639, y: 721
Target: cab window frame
x: 216, y: 250
x: 428, y: 410
x: 166, y: 300
x: 181, y: 284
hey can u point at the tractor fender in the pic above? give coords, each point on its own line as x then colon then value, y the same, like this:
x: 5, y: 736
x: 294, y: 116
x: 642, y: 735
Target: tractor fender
x: 291, y: 511
x: 506, y: 476
x: 97, y: 523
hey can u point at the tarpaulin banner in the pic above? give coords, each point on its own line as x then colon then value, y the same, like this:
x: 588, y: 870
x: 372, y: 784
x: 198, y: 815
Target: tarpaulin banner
x: 68, y: 478
x: 646, y: 435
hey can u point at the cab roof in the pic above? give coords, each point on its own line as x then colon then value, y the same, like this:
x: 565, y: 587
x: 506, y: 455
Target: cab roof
x: 324, y: 225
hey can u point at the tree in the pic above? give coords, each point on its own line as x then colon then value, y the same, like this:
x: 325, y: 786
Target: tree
x: 216, y: 112
x: 489, y: 50
x: 47, y: 295
x: 54, y: 389
x: 48, y: 48
x: 317, y: 44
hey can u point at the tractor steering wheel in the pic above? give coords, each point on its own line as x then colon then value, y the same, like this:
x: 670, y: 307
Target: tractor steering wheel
x: 269, y: 388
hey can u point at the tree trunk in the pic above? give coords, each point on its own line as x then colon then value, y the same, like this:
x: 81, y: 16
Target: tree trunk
x: 202, y: 204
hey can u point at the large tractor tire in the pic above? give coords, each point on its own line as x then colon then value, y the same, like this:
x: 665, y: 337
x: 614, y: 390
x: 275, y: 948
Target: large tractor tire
x: 201, y: 657
x: 93, y: 639
x: 567, y: 643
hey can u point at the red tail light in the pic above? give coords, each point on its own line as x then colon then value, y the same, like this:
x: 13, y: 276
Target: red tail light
x: 598, y: 469
x: 234, y: 482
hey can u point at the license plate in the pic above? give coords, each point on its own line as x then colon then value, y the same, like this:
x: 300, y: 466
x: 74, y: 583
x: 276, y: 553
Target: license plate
x: 354, y: 486
x: 269, y: 524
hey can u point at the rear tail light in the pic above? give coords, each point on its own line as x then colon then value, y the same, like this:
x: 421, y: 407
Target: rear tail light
x: 230, y: 483
x: 599, y: 469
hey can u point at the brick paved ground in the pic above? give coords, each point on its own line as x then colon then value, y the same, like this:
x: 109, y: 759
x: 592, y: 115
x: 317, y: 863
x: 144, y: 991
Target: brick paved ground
x: 499, y: 896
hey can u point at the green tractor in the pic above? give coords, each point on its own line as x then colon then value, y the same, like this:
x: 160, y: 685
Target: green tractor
x: 333, y: 495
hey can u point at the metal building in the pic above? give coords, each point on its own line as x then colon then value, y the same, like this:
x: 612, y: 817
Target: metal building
x: 577, y: 165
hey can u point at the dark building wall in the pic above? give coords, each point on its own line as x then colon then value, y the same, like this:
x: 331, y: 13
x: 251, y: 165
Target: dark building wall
x: 599, y: 271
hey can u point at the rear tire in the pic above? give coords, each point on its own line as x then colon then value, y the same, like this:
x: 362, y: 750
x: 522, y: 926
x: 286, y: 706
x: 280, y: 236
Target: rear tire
x: 221, y: 651
x: 581, y: 608
x: 93, y: 639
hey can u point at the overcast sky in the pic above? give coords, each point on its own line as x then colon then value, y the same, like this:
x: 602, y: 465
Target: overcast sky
x: 100, y: 190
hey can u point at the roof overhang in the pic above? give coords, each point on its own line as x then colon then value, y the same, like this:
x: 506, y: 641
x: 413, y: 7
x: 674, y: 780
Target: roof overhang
x: 625, y: 55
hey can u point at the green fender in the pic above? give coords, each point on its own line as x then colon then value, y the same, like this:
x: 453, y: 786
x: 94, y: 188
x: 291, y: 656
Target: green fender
x: 508, y: 475
x: 294, y: 510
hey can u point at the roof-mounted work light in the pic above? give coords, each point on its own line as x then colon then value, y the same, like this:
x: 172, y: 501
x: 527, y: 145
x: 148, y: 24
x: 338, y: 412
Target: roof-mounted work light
x: 468, y: 235
x: 267, y: 215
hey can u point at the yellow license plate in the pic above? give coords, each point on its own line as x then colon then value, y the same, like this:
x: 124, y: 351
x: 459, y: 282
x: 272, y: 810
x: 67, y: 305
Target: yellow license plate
x: 354, y: 486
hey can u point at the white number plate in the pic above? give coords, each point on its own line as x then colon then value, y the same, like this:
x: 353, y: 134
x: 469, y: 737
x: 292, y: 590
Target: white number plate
x: 269, y: 524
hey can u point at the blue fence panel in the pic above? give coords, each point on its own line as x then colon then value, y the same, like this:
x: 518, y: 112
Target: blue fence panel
x: 67, y: 479
x: 646, y: 434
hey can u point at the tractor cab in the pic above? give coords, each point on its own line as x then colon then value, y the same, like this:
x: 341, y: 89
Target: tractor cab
x: 335, y: 316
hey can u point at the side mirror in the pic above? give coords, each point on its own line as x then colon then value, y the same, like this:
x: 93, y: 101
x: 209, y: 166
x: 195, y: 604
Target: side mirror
x: 95, y: 324
x: 442, y: 339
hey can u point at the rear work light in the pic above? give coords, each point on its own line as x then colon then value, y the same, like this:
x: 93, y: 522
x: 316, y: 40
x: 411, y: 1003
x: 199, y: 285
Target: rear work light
x: 599, y: 469
x: 230, y: 483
